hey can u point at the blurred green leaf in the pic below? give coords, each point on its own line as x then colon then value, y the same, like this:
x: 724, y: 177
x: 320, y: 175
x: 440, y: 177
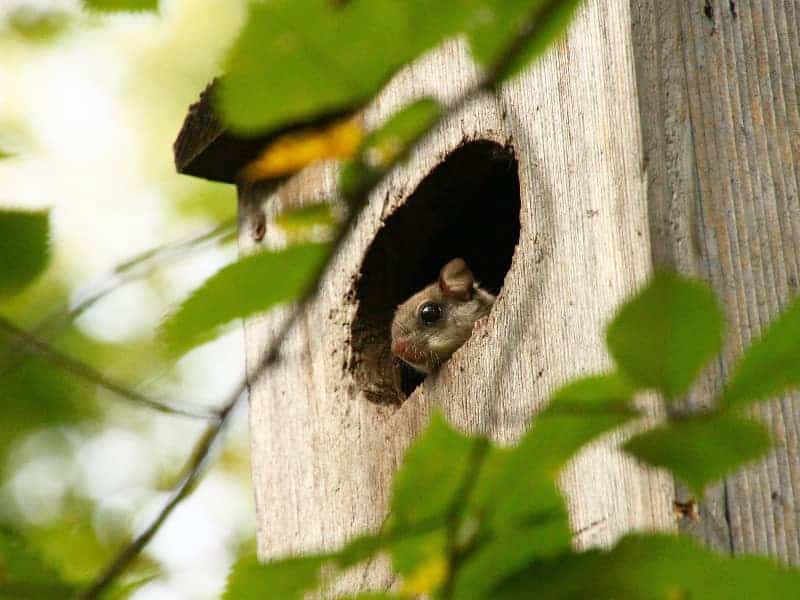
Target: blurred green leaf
x: 520, y: 482
x: 501, y: 21
x: 121, y: 5
x: 38, y: 25
x: 652, y: 567
x: 387, y: 144
x: 506, y: 553
x: 770, y: 365
x: 422, y: 561
x: 73, y: 543
x: 700, y: 450
x: 24, y: 248
x: 361, y: 548
x: 249, y: 286
x: 578, y: 413
x: 286, y: 579
x: 298, y: 59
x: 4, y: 155
x: 298, y: 222
x: 666, y: 333
x: 207, y: 199
x: 35, y: 394
x: 432, y: 474
x: 24, y: 574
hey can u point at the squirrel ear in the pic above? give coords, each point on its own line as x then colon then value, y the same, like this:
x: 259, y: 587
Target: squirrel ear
x: 456, y: 280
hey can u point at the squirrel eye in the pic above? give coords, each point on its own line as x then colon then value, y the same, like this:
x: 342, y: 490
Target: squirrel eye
x: 429, y: 313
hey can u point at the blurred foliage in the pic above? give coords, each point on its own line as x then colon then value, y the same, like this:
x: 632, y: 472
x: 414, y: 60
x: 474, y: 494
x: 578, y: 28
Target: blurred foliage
x: 771, y: 364
x: 24, y: 248
x: 652, y: 567
x: 684, y: 331
x: 209, y: 200
x: 500, y: 20
x: 333, y: 57
x: 38, y: 25
x: 700, y: 450
x: 35, y: 394
x: 121, y: 5
x: 249, y: 286
x: 471, y: 520
x: 386, y: 145
x: 24, y: 574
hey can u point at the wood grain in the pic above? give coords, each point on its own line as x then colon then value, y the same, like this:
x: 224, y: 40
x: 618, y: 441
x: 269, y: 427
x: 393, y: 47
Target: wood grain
x: 718, y: 91
x: 323, y: 453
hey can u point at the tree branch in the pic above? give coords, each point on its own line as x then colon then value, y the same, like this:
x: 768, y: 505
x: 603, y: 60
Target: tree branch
x: 32, y: 344
x: 491, y: 79
x: 134, y: 268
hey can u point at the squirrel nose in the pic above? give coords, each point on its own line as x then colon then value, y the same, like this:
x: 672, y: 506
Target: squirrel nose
x: 399, y: 347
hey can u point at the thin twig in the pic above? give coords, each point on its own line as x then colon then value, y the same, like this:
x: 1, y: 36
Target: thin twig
x: 135, y: 268
x: 32, y: 344
x: 191, y: 475
x: 195, y: 466
x: 131, y: 270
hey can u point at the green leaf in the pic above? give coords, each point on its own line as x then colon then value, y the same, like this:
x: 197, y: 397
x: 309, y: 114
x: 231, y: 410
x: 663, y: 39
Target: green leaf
x: 520, y: 482
x: 249, y: 286
x: 771, y: 365
x: 579, y: 412
x: 37, y: 25
x: 422, y: 561
x: 432, y: 474
x: 516, y: 493
x: 652, y: 567
x: 387, y: 145
x: 35, y: 393
x: 702, y: 449
x: 664, y: 336
x: 506, y: 553
x: 499, y: 23
x: 303, y: 222
x: 208, y: 200
x: 296, y: 60
x: 24, y: 248
x: 24, y: 574
x: 285, y: 579
x: 110, y: 6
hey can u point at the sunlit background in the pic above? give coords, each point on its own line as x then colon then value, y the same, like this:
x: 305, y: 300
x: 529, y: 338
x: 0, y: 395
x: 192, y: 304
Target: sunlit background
x: 89, y: 108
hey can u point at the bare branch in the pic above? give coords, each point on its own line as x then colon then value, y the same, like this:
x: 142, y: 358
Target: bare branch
x: 138, y: 267
x: 135, y: 268
x: 30, y: 343
x: 194, y: 469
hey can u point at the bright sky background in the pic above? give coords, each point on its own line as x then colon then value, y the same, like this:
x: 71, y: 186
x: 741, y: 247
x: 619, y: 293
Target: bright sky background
x: 92, y: 116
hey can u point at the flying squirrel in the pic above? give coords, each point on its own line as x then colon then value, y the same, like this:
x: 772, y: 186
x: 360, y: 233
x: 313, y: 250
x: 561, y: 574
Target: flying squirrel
x: 436, y: 321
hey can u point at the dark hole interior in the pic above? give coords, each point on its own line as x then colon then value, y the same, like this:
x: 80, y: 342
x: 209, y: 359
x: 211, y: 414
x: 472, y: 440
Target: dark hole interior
x: 467, y: 206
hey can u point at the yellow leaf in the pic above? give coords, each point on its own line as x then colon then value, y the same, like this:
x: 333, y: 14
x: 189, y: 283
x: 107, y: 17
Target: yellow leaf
x: 293, y: 151
x: 427, y: 578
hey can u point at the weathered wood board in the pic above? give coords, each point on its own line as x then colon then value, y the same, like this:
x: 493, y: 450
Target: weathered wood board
x: 719, y: 99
